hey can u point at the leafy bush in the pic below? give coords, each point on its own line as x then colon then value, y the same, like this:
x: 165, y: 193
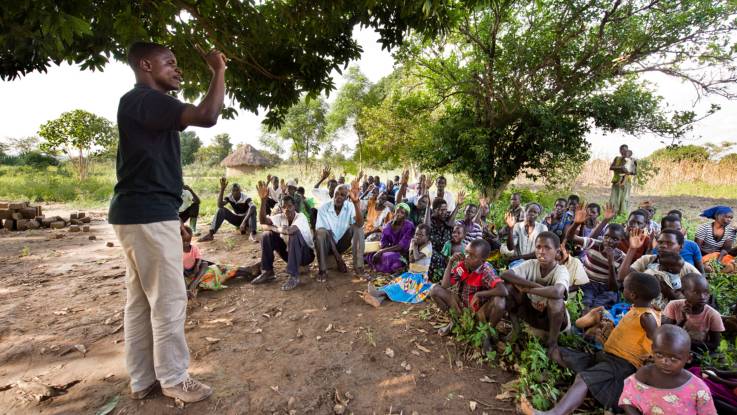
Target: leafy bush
x: 692, y: 153
x: 729, y: 160
x: 646, y: 170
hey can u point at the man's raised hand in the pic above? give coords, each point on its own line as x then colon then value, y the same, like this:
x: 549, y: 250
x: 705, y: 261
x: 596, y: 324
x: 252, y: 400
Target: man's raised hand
x: 355, y: 189
x: 223, y: 183
x: 263, y: 190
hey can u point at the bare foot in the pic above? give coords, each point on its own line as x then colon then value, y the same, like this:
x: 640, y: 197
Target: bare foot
x: 322, y: 276
x: 207, y: 238
x: 554, y: 354
x: 342, y: 267
x: 371, y: 300
x: 525, y: 407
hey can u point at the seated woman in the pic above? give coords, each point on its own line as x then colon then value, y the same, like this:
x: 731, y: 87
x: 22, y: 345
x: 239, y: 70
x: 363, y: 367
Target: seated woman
x: 200, y: 273
x: 520, y: 244
x: 395, y: 239
x: 715, y: 238
x: 412, y: 286
x: 441, y: 227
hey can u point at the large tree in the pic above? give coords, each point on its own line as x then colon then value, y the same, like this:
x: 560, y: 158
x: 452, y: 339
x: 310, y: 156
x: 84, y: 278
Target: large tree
x: 190, y: 144
x: 78, y: 135
x: 278, y: 50
x: 515, y: 86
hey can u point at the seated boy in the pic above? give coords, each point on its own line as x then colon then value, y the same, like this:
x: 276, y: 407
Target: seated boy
x: 703, y: 323
x: 628, y: 347
x: 470, y: 282
x: 538, y: 289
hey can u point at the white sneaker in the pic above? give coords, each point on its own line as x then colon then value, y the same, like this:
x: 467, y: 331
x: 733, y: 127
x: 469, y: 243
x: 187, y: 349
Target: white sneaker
x: 188, y: 391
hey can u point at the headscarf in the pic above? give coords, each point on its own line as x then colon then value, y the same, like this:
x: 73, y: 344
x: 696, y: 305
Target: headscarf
x: 403, y: 206
x: 539, y: 207
x: 715, y: 211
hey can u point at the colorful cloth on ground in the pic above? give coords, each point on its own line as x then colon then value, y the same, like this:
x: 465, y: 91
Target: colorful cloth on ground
x: 714, y: 256
x: 410, y: 287
x: 699, y: 325
x: 391, y: 262
x: 470, y: 282
x: 440, y: 232
x: 423, y: 265
x: 691, y: 398
x: 629, y: 340
x: 190, y: 258
x: 705, y: 232
x: 215, y: 275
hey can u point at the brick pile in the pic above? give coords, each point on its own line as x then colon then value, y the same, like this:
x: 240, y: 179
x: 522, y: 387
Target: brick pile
x: 22, y: 216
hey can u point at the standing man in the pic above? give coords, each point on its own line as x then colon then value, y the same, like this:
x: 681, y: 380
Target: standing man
x: 622, y: 180
x: 143, y: 212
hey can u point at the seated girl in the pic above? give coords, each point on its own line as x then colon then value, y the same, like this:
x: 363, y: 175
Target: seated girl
x: 520, y: 244
x: 664, y: 386
x: 412, y: 286
x: 395, y: 239
x: 200, y: 273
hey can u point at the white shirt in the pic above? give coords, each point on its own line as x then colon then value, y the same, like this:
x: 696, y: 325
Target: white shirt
x: 530, y: 270
x: 523, y: 243
x: 327, y: 218
x: 449, y: 198
x: 300, y: 221
x: 187, y: 200
x: 274, y: 193
x: 321, y: 195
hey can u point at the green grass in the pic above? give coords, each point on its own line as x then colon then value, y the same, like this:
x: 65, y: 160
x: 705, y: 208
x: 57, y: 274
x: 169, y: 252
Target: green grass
x: 701, y: 189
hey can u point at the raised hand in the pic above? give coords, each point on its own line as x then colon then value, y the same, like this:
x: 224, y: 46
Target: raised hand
x: 405, y: 177
x: 637, y: 238
x: 263, y: 190
x: 360, y: 175
x: 355, y: 190
x: 268, y: 179
x: 283, y: 186
x: 325, y: 173
x: 609, y: 212
x: 429, y: 182
x: 510, y: 220
x: 460, y: 197
x: 223, y: 183
x: 216, y: 60
x: 580, y: 216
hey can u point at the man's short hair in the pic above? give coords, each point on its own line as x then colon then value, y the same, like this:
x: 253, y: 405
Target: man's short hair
x: 424, y: 226
x: 679, y: 236
x: 669, y: 219
x: 677, y: 213
x: 594, y: 206
x: 481, y: 243
x: 574, y: 197
x: 437, y: 202
x: 639, y: 212
x: 143, y: 50
x: 551, y: 237
x: 619, y: 229
x: 623, y: 146
x: 287, y: 199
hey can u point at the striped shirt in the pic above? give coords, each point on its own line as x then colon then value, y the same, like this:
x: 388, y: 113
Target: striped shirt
x: 472, y: 232
x: 705, y: 232
x: 596, y: 262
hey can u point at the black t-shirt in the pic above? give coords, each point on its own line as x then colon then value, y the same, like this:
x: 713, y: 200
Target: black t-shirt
x: 149, y: 169
x: 240, y: 206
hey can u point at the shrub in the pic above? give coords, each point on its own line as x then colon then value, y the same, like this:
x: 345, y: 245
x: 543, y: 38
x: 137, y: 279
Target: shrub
x: 692, y: 153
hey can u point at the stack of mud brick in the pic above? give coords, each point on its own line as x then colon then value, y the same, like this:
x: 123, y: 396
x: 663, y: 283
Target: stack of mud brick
x: 22, y: 216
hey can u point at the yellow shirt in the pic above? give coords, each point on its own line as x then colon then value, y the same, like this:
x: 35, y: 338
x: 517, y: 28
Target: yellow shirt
x: 628, y: 340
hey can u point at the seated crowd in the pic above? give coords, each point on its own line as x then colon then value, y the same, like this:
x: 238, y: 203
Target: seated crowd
x: 644, y: 287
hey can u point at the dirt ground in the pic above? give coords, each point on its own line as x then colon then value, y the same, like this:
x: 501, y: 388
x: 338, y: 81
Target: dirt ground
x: 257, y: 346
x: 61, y: 305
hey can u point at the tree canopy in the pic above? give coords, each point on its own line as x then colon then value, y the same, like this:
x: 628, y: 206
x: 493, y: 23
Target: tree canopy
x: 515, y: 86
x: 304, y: 126
x: 278, y: 50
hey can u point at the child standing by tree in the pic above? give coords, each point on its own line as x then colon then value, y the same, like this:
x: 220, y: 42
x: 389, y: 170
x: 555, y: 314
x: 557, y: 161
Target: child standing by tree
x: 664, y: 386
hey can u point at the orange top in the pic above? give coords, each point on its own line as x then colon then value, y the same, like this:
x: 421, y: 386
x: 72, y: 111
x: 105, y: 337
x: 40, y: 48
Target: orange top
x: 628, y: 340
x: 372, y: 214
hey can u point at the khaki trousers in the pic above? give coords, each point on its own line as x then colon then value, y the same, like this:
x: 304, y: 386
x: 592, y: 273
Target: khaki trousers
x: 156, y: 304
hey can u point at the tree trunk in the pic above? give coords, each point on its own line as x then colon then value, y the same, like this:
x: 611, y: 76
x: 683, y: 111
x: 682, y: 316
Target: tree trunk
x: 493, y: 193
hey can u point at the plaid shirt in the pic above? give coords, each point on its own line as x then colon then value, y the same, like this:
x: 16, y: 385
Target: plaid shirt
x: 469, y: 283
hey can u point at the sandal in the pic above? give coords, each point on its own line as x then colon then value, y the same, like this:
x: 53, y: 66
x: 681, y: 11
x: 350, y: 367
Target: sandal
x: 263, y: 278
x: 445, y: 331
x: 322, y: 277
x: 292, y: 283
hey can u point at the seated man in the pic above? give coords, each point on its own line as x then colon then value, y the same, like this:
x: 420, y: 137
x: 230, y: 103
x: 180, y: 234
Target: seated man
x: 538, y: 289
x: 322, y: 195
x: 243, y: 215
x: 190, y: 208
x: 288, y: 233
x: 339, y: 226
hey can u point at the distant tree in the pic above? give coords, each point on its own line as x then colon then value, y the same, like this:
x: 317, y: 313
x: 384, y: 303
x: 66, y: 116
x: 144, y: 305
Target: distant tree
x: 305, y: 127
x: 78, y: 135
x: 692, y: 153
x: 271, y: 141
x: 222, y: 145
x: 190, y: 143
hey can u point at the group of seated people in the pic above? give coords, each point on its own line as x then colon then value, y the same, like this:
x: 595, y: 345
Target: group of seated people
x: 644, y: 287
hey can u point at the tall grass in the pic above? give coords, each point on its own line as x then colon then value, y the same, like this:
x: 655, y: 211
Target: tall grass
x: 708, y: 179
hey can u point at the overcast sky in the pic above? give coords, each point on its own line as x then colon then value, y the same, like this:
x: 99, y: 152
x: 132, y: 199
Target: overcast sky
x: 32, y: 100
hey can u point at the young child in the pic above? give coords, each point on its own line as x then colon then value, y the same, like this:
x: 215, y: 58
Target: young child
x: 664, y: 386
x: 471, y: 283
x: 628, y: 347
x: 702, y: 323
x: 412, y: 286
x: 667, y: 270
x: 203, y: 274
x: 456, y: 242
x: 538, y: 289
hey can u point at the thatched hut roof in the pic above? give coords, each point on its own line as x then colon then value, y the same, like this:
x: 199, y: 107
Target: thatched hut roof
x: 245, y: 155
